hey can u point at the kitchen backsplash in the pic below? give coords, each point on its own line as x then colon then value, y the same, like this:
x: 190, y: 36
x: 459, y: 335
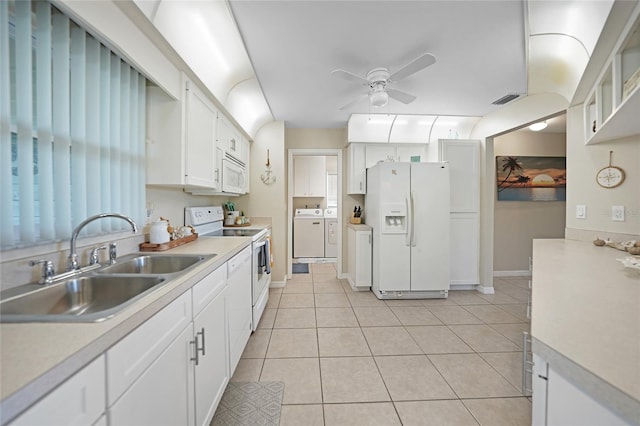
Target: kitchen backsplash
x: 15, y: 270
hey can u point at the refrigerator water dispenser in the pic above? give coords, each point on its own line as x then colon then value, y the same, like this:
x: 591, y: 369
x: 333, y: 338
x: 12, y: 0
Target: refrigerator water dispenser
x: 394, y: 219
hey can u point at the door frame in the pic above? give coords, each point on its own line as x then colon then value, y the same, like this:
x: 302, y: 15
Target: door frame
x: 294, y: 152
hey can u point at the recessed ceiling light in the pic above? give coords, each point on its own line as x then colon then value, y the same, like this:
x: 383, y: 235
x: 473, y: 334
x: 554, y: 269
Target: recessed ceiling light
x: 536, y: 127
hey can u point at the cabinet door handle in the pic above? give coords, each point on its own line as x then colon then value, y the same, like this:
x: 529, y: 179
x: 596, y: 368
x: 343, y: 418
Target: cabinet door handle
x: 195, y: 350
x: 201, y: 333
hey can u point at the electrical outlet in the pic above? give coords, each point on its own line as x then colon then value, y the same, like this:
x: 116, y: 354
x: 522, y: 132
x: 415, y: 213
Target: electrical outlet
x: 581, y: 211
x: 617, y: 213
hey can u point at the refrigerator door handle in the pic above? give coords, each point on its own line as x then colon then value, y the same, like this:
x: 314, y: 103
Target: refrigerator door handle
x: 413, y: 223
x: 407, y: 201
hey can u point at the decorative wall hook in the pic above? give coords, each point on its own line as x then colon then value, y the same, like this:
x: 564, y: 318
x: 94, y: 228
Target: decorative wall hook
x: 267, y: 178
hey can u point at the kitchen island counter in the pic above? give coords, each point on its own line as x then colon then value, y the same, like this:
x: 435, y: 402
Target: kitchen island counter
x: 37, y: 357
x: 586, y: 309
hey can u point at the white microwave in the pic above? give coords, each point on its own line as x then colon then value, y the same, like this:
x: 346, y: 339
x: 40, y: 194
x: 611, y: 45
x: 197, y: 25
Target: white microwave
x: 234, y: 175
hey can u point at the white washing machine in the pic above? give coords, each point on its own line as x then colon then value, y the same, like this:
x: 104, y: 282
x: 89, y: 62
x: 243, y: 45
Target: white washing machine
x: 331, y: 232
x: 308, y: 233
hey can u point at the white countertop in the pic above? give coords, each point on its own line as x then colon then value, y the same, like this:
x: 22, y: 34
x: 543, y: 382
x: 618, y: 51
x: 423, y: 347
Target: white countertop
x: 586, y: 306
x: 359, y: 226
x: 37, y: 357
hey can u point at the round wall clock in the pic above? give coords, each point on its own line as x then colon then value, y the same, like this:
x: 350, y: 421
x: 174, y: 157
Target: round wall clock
x: 610, y: 176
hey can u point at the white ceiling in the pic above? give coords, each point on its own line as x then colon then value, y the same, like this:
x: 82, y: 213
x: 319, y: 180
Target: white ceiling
x: 294, y: 45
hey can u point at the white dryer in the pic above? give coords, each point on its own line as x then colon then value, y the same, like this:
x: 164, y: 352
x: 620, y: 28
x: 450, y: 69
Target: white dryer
x: 308, y: 233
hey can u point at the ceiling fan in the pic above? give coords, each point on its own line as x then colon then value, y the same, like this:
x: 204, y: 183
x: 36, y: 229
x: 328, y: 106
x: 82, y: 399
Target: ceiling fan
x: 378, y: 81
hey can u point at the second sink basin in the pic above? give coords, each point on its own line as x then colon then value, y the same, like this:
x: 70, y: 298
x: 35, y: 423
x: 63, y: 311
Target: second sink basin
x: 153, y: 264
x: 91, y: 298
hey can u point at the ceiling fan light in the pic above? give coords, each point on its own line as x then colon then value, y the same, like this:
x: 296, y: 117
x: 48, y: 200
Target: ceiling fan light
x: 378, y: 98
x: 536, y: 127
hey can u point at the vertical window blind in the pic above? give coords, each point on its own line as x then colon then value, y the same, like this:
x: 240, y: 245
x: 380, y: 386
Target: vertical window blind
x: 72, y: 128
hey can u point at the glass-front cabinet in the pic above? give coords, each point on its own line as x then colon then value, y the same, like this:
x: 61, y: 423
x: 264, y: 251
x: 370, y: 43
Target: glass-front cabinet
x: 612, y: 106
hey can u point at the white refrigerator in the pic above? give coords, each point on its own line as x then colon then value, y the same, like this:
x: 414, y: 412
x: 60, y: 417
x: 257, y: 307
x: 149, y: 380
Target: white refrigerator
x: 407, y: 205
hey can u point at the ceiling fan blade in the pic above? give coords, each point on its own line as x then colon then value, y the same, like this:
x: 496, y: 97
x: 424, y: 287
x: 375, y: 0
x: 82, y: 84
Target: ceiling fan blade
x: 403, y: 97
x: 347, y: 75
x: 355, y: 101
x: 413, y: 67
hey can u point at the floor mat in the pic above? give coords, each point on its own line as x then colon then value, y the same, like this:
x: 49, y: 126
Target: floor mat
x: 300, y: 268
x: 250, y: 403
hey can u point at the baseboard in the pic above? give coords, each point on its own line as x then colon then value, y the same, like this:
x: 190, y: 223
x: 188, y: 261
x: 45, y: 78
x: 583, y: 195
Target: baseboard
x: 456, y: 287
x: 277, y: 284
x: 485, y: 290
x: 477, y: 287
x: 525, y: 273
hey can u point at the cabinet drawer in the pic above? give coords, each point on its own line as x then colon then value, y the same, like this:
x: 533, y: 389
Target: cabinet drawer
x: 208, y: 288
x: 78, y: 401
x: 130, y: 357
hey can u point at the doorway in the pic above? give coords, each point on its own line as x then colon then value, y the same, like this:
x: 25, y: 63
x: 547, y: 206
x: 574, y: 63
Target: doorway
x: 314, y: 188
x: 519, y: 217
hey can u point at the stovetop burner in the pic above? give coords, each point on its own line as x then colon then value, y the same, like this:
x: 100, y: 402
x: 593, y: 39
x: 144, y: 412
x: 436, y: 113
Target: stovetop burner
x: 240, y: 232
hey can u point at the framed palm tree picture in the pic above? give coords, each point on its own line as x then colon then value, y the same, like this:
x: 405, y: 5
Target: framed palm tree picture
x: 522, y: 178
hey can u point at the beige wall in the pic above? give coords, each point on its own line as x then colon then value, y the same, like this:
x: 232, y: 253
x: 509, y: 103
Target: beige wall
x: 270, y: 201
x: 583, y: 162
x: 170, y: 203
x: 517, y: 223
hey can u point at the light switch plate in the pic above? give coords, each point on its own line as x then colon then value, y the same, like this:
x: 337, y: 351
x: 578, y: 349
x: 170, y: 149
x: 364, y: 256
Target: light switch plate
x: 581, y: 211
x: 617, y: 213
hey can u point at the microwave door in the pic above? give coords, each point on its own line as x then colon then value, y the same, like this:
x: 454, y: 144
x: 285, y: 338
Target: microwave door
x: 233, y: 177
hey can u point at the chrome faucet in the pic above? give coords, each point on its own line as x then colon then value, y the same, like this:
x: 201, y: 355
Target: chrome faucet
x: 72, y: 261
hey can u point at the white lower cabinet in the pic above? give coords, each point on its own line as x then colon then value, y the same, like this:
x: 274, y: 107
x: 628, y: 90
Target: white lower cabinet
x: 359, y: 256
x: 78, y: 401
x: 558, y: 401
x: 150, y: 372
x: 131, y: 356
x: 211, y: 362
x: 539, y: 376
x: 163, y: 395
x: 171, y: 370
x: 239, y: 304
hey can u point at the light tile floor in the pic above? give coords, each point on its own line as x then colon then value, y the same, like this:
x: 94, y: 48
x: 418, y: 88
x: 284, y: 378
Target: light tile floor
x: 347, y: 358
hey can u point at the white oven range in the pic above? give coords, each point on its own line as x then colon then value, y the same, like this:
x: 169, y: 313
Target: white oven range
x: 208, y: 222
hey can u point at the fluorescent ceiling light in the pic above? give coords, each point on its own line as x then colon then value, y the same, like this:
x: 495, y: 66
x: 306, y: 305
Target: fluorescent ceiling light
x: 536, y: 127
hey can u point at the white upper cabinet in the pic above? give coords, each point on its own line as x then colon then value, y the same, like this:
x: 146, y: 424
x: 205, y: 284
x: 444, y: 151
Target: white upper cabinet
x: 200, y: 118
x: 309, y: 176
x: 181, y: 139
x: 375, y: 154
x: 611, y: 109
x: 356, y: 169
x: 361, y: 156
x: 230, y: 140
